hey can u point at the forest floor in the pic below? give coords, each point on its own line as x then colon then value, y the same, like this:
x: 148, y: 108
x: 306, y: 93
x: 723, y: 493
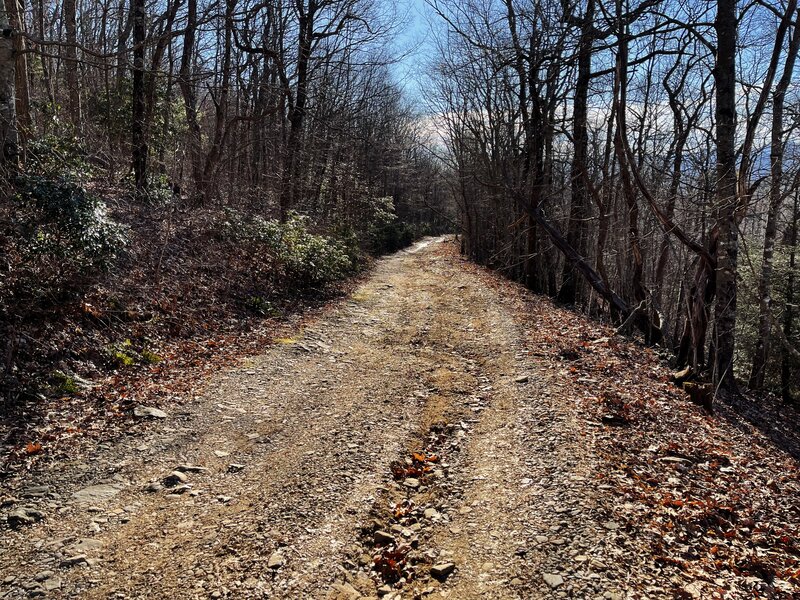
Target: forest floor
x: 440, y: 433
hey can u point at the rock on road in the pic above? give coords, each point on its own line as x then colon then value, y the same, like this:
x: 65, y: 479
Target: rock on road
x: 403, y: 445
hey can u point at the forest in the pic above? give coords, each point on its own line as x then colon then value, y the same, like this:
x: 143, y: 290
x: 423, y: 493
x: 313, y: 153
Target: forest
x: 639, y: 160
x: 360, y: 299
x: 636, y: 160
x: 172, y: 165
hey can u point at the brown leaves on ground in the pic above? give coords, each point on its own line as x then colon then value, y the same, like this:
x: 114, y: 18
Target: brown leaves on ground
x: 417, y: 466
x: 177, y: 307
x: 392, y: 563
x: 709, y: 499
x: 709, y: 506
x: 33, y: 448
x: 393, y: 557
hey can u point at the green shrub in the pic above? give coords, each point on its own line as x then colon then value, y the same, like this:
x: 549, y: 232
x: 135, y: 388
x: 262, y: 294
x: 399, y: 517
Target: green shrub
x: 60, y: 237
x: 113, y: 108
x: 64, y: 384
x: 62, y: 220
x: 251, y: 229
x: 748, y: 311
x: 301, y: 258
x: 392, y: 237
x: 124, y: 354
x: 379, y: 229
x: 312, y: 260
x: 58, y: 156
x: 261, y: 306
x: 150, y: 357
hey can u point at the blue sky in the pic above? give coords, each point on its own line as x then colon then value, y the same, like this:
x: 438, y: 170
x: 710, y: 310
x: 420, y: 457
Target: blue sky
x: 411, y: 42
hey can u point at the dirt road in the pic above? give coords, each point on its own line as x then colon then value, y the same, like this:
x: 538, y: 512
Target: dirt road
x: 405, y: 445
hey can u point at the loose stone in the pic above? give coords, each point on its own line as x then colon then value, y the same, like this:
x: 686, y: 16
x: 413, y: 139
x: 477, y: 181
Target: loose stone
x: 175, y: 478
x: 149, y: 412
x: 442, y: 570
x: 553, y: 580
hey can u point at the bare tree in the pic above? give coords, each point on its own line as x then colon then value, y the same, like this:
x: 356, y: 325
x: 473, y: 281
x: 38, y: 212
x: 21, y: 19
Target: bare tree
x: 71, y: 64
x: 8, y: 117
x: 138, y: 125
x: 776, y: 196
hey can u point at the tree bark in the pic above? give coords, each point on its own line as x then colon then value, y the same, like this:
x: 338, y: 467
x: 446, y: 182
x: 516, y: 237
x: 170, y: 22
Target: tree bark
x: 290, y: 183
x: 22, y: 92
x: 220, y: 108
x: 725, y: 205
x: 620, y: 146
x: 47, y: 80
x: 71, y: 66
x: 788, y: 316
x: 578, y: 226
x: 187, y: 87
x: 8, y: 114
x: 138, y: 126
x: 123, y: 34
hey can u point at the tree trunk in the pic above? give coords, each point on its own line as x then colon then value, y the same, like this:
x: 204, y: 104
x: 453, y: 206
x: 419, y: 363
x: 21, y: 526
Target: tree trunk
x: 578, y: 226
x: 221, y: 108
x: 187, y: 88
x: 754, y: 120
x: 682, y: 128
x: 640, y: 319
x: 725, y: 209
x: 138, y: 128
x: 8, y: 114
x: 47, y: 80
x: 163, y: 40
x: 788, y: 316
x: 290, y: 179
x: 620, y: 143
x: 71, y: 66
x: 22, y: 96
x: 123, y: 33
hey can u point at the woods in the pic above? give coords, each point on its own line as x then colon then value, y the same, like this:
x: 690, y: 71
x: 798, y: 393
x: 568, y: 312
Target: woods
x: 156, y: 140
x: 637, y: 160
x: 634, y: 159
x: 207, y: 96
x: 357, y: 299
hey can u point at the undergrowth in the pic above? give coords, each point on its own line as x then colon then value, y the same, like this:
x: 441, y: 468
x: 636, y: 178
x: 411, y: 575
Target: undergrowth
x: 95, y: 281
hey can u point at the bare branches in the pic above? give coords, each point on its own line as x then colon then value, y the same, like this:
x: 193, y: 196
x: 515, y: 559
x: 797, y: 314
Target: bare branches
x: 583, y: 110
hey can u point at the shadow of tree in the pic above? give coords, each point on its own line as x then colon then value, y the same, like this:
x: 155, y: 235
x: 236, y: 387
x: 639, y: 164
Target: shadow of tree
x: 777, y: 422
